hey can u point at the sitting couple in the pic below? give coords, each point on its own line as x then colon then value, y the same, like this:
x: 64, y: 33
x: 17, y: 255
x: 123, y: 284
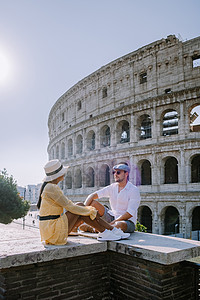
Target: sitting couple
x: 114, y: 224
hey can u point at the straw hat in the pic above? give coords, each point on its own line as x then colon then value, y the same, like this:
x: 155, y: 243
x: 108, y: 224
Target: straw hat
x: 54, y: 169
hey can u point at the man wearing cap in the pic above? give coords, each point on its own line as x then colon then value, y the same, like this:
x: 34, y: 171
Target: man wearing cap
x: 124, y: 199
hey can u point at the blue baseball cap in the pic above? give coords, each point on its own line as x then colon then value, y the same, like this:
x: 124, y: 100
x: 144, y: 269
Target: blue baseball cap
x: 122, y: 167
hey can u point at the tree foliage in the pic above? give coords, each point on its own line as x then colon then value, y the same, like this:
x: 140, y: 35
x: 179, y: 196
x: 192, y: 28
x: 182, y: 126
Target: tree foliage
x: 140, y: 227
x: 12, y: 206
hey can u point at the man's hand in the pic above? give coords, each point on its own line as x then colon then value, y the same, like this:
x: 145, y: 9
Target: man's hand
x: 123, y: 217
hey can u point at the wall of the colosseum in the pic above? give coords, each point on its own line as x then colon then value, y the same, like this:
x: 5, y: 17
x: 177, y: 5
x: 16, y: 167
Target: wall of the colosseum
x: 154, y: 80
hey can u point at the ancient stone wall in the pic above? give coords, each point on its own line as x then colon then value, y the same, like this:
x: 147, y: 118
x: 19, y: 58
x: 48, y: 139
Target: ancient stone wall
x: 136, y: 109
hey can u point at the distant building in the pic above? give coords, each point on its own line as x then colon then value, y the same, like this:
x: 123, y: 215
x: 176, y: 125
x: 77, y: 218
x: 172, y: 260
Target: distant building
x: 22, y: 191
x: 30, y: 192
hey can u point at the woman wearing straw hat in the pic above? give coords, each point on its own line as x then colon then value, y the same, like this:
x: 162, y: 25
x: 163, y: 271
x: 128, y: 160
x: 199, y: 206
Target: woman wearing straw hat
x: 55, y: 225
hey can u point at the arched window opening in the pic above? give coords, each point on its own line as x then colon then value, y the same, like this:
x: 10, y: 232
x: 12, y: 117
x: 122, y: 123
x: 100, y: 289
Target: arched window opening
x: 62, y: 151
x: 57, y: 152
x: 170, y: 123
x: 196, y: 218
x: 105, y: 136
x: 79, y: 105
x: 124, y: 131
x: 68, y: 180
x: 195, y: 119
x: 145, y: 127
x: 104, y: 92
x: 91, y: 140
x: 146, y: 218
x: 79, y: 144
x: 171, y: 221
x: 104, y: 175
x: 90, y: 177
x: 70, y: 147
x: 78, y: 179
x: 195, y: 169
x: 146, y: 173
x: 171, y: 170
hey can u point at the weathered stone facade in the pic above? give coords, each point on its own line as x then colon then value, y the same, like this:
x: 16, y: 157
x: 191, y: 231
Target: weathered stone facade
x: 137, y: 109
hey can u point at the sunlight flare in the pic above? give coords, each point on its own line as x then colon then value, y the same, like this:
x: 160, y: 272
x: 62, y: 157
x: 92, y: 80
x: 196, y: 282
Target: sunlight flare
x: 5, y: 68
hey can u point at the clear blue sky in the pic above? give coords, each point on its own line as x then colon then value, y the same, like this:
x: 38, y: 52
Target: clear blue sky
x: 46, y: 46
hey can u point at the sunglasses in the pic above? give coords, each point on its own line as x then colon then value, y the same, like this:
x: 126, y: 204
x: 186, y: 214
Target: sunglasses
x: 117, y: 172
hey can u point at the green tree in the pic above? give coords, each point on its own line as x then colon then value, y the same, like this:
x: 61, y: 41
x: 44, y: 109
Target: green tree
x: 12, y: 206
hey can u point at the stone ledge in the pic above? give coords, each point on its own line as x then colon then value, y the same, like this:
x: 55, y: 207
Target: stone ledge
x: 22, y: 247
x: 157, y: 248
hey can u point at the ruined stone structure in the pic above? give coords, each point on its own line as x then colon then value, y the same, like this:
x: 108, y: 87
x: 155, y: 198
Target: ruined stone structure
x: 139, y: 109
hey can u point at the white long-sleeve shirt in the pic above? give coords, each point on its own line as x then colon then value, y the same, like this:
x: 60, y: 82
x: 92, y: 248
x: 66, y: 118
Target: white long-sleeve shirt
x: 127, y: 200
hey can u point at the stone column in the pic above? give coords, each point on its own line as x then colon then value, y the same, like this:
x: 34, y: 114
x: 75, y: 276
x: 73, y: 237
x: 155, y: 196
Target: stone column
x: 113, y: 138
x: 155, y: 222
x: 181, y: 169
x: 154, y: 122
x: 181, y: 121
x: 96, y: 175
x: 84, y: 141
x: 97, y: 138
x: 133, y: 129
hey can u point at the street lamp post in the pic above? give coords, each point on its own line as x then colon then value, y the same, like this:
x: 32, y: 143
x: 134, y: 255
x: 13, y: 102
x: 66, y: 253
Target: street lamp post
x: 24, y: 217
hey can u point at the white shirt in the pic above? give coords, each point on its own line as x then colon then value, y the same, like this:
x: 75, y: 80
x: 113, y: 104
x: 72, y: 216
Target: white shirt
x: 127, y: 200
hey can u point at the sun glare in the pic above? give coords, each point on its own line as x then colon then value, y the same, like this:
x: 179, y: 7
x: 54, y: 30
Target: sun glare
x: 5, y: 68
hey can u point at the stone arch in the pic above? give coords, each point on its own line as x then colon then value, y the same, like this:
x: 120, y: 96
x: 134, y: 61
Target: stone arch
x: 105, y: 136
x: 62, y: 150
x: 123, y: 132
x: 195, y: 168
x: 171, y: 220
x: 68, y: 180
x: 170, y: 170
x: 194, y: 117
x: 70, y: 147
x: 196, y: 218
x: 145, y: 217
x: 145, y: 172
x: 104, y: 175
x: 144, y: 125
x: 90, y: 177
x: 78, y: 179
x: 79, y: 144
x: 169, y: 122
x: 91, y: 140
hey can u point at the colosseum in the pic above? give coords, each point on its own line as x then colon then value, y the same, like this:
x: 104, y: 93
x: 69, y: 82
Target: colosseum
x: 142, y: 109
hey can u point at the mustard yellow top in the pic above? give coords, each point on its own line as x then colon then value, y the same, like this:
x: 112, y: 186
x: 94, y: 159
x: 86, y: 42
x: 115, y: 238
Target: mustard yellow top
x: 55, y: 232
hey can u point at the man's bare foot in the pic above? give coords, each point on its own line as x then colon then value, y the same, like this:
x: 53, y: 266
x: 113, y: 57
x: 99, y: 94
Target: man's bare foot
x: 87, y: 228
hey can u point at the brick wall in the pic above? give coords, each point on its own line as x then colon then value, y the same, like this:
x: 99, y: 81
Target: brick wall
x: 134, y: 278
x: 83, y: 277
x: 101, y: 276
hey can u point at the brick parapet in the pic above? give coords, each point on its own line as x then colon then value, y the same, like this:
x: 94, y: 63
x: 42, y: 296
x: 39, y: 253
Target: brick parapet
x: 145, y: 266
